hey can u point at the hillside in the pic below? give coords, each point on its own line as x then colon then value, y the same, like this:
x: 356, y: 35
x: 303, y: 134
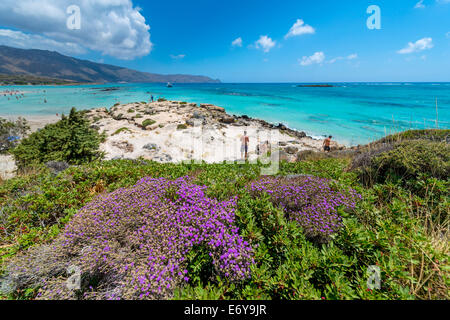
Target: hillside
x: 42, y: 63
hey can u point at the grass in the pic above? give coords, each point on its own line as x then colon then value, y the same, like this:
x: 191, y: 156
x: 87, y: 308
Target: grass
x: 123, y: 129
x: 148, y: 122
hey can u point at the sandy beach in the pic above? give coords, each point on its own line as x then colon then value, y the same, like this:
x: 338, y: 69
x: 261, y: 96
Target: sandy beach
x: 35, y: 122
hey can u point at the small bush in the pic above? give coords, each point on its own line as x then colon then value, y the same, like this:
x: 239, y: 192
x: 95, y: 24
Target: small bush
x: 181, y: 127
x: 310, y: 201
x: 148, y: 122
x: 404, y: 161
x: 131, y: 110
x: 124, y: 129
x: 136, y: 243
x: 138, y: 116
x: 162, y: 99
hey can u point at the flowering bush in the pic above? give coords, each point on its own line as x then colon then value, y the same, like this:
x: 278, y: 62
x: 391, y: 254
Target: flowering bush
x: 133, y: 243
x: 309, y: 200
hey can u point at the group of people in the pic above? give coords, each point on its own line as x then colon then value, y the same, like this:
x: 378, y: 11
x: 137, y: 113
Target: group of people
x: 264, y: 147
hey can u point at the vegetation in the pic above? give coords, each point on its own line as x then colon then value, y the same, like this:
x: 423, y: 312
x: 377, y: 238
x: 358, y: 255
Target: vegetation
x: 27, y: 79
x: 148, y: 122
x: 120, y: 130
x: 147, y: 230
x: 181, y: 126
x: 70, y: 140
x: 11, y: 132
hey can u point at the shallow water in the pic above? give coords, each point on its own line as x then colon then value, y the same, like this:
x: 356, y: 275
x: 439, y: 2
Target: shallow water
x: 353, y: 113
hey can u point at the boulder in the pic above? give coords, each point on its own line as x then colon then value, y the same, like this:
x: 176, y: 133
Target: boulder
x: 211, y: 107
x: 227, y: 120
x: 291, y: 150
x: 123, y: 145
x: 151, y: 147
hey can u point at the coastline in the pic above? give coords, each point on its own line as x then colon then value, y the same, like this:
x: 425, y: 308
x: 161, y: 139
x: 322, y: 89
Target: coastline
x: 176, y: 131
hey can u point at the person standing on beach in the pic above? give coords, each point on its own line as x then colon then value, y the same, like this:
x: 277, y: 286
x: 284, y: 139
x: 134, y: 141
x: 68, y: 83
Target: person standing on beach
x: 244, y: 145
x: 151, y: 98
x: 327, y: 144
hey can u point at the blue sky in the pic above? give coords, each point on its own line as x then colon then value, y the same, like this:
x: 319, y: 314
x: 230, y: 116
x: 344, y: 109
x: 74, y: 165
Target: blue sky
x: 332, y: 41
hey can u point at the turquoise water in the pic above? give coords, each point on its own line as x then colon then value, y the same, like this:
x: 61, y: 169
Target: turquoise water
x: 353, y: 113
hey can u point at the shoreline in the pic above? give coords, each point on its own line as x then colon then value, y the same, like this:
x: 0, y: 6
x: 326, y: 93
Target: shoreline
x: 176, y: 131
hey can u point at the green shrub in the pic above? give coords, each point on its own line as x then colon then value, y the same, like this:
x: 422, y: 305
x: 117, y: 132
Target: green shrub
x: 138, y: 116
x: 123, y: 129
x: 181, y: 127
x: 131, y: 110
x: 148, y: 122
x: 162, y: 99
x: 407, y: 160
x: 71, y: 139
x: 429, y: 134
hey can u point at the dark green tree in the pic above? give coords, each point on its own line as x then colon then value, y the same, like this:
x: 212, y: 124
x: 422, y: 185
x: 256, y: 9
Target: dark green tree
x: 70, y: 139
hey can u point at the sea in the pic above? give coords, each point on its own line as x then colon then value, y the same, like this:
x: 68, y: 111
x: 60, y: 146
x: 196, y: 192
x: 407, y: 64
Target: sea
x: 353, y: 113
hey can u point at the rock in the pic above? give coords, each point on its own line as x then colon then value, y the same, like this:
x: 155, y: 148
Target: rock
x: 7, y: 167
x: 162, y: 158
x: 212, y: 107
x: 123, y: 145
x: 57, y: 166
x: 281, y: 126
x: 227, y: 120
x: 95, y: 127
x: 291, y: 150
x: 198, y: 115
x: 151, y: 147
x: 282, y: 144
x: 300, y: 134
x: 284, y: 156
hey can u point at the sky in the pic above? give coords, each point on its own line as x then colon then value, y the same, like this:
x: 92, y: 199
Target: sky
x: 244, y: 40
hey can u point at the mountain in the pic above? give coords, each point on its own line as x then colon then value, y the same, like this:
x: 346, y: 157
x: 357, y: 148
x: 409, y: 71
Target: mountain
x: 50, y: 64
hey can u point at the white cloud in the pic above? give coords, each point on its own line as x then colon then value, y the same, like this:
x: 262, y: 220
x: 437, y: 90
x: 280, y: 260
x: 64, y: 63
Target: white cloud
x: 22, y: 40
x: 316, y: 58
x: 265, y: 43
x: 419, y: 5
x: 419, y: 45
x: 448, y: 34
x: 352, y: 56
x: 112, y: 27
x: 237, y: 42
x: 178, y: 56
x: 299, y: 28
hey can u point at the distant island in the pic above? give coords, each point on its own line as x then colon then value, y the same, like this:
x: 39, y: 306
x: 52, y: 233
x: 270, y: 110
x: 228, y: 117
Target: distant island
x: 315, y: 86
x: 31, y: 66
